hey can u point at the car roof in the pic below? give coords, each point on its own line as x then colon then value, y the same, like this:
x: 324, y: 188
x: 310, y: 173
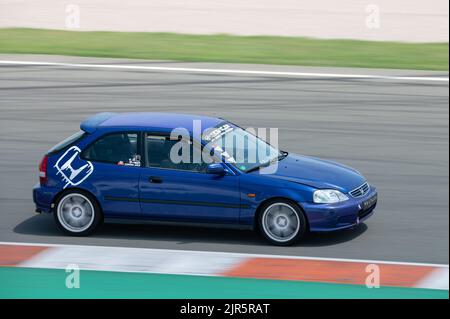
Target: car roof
x: 144, y: 120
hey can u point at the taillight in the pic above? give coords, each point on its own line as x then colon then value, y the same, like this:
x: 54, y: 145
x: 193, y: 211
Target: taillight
x: 43, y: 170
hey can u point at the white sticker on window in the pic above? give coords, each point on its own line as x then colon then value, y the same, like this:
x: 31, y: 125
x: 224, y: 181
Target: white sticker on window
x: 217, y: 132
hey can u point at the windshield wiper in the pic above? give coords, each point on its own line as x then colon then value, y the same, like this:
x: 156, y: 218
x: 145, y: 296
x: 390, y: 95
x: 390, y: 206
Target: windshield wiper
x: 265, y: 164
x: 283, y: 155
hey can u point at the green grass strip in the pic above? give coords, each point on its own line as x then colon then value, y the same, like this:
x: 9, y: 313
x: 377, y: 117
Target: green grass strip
x: 227, y: 48
x: 51, y: 283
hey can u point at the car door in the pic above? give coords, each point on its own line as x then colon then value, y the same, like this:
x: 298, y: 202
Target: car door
x: 115, y: 158
x: 184, y: 191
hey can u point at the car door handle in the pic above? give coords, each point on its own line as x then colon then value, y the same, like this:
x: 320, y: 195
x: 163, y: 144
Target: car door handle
x: 155, y: 179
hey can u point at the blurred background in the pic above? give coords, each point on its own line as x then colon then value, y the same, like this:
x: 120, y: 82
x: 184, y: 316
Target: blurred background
x: 61, y: 61
x: 382, y: 20
x: 396, y: 34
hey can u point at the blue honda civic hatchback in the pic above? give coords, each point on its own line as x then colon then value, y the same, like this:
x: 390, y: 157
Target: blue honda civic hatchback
x: 153, y: 166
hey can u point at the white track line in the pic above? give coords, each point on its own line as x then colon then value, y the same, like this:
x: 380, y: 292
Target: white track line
x: 438, y: 279
x: 237, y: 254
x: 231, y: 71
x: 133, y: 260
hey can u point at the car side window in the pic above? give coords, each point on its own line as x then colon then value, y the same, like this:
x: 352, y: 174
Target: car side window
x: 116, y: 148
x: 159, y: 150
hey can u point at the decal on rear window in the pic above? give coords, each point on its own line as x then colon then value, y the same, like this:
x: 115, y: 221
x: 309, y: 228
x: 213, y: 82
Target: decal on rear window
x: 72, y: 168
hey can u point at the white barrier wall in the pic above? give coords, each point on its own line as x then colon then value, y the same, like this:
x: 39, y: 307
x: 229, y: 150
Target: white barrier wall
x: 396, y: 20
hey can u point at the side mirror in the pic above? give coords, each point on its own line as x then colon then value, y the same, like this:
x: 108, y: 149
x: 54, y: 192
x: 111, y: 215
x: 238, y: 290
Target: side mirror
x: 216, y: 169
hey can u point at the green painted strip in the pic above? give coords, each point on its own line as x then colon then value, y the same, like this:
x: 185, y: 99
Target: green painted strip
x: 228, y: 48
x: 50, y: 283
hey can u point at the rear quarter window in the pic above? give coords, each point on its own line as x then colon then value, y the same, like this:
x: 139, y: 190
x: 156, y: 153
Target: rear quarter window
x: 113, y: 148
x: 71, y: 140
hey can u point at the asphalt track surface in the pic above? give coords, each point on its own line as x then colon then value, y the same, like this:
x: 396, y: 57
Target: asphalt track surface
x: 395, y: 132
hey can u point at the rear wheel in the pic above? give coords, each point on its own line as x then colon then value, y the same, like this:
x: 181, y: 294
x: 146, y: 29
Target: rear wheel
x: 77, y: 213
x: 282, y: 222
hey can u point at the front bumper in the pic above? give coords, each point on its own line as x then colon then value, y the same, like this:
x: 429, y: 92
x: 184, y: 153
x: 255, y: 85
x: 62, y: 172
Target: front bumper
x: 332, y: 217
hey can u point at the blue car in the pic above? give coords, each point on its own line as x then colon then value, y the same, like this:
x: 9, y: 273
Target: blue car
x: 155, y: 166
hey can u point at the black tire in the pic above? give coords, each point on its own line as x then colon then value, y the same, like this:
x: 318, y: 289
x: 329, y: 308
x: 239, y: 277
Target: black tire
x: 290, y: 220
x: 67, y: 211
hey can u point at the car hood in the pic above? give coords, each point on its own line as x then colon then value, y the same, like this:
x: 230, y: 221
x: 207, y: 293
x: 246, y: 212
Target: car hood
x: 315, y: 172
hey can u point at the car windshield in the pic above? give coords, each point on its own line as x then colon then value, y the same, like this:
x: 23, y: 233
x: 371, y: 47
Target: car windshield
x: 239, y: 147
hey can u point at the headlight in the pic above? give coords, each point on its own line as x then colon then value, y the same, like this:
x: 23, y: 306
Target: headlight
x: 328, y: 196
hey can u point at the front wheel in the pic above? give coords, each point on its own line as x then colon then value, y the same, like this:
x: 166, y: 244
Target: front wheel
x: 282, y: 222
x: 77, y: 213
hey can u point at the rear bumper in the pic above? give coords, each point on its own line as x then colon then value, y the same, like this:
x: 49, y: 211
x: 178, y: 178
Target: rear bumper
x: 43, y: 198
x: 332, y: 217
